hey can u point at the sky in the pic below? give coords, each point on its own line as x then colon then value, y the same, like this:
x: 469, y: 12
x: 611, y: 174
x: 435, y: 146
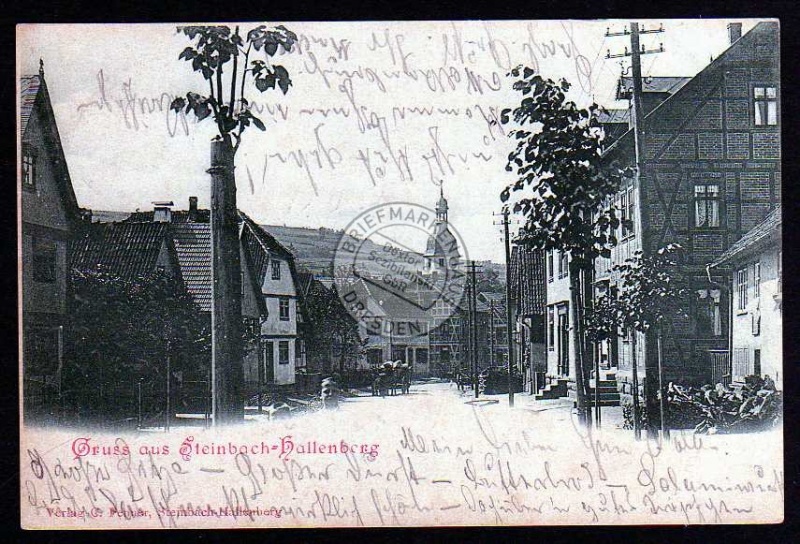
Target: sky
x: 378, y: 112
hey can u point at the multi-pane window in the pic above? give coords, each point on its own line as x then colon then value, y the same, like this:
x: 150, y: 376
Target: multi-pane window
x: 741, y: 288
x: 284, y: 308
x: 28, y: 167
x: 283, y: 352
x: 551, y: 327
x: 709, y: 315
x: 44, y: 260
x: 276, y: 270
x: 627, y: 212
x: 765, y: 106
x: 550, y: 259
x: 563, y: 264
x: 707, y: 205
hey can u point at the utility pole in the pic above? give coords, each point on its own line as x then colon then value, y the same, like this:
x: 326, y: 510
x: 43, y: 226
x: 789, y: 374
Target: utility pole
x: 491, y: 335
x: 505, y: 222
x: 637, y: 50
x: 473, y: 302
x: 169, y: 389
x: 470, y: 318
x: 509, y: 330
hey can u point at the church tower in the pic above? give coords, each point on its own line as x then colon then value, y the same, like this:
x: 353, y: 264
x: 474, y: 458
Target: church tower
x: 441, y: 207
x: 442, y: 246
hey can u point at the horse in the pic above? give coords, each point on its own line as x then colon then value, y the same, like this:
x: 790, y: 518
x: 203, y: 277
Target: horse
x: 401, y: 373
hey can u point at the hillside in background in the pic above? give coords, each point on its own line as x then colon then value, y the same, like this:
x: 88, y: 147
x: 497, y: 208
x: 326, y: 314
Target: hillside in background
x: 314, y: 249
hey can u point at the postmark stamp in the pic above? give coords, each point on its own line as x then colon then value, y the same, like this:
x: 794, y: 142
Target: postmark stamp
x: 400, y: 268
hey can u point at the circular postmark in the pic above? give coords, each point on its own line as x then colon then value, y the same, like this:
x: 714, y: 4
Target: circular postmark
x: 400, y: 270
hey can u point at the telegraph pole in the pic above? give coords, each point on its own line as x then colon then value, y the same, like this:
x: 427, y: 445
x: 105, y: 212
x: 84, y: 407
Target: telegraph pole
x: 473, y: 305
x: 470, y: 317
x: 509, y: 331
x: 491, y: 335
x: 637, y: 50
x: 505, y: 222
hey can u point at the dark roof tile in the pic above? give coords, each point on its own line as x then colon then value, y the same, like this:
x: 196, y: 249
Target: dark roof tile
x: 128, y: 250
x: 527, y: 280
x: 769, y: 230
x: 29, y: 90
x: 193, y: 250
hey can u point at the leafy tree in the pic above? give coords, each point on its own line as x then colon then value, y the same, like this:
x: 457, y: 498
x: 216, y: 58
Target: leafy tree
x: 652, y: 295
x: 123, y: 330
x: 562, y: 189
x: 652, y: 288
x: 652, y: 292
x: 331, y: 328
x: 216, y: 52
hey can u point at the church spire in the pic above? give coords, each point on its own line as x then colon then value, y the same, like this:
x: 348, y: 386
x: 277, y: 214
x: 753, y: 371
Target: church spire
x: 441, y: 205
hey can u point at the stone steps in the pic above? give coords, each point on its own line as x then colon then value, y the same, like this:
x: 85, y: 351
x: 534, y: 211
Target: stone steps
x: 607, y: 389
x: 553, y: 391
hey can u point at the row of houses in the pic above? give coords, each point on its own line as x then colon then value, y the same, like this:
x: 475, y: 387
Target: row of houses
x: 712, y: 184
x: 303, y: 328
x: 59, y: 238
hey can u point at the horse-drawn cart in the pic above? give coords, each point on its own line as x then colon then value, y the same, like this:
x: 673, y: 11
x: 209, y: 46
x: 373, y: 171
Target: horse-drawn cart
x: 391, y: 377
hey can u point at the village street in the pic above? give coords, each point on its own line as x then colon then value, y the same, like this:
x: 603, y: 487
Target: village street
x: 442, y: 399
x: 434, y: 452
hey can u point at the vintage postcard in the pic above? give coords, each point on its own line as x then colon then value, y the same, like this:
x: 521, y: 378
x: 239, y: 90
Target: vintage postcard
x: 296, y: 274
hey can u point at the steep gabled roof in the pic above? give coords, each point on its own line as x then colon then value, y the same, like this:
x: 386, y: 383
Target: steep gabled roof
x: 258, y: 243
x: 34, y: 96
x: 764, y: 234
x: 129, y: 250
x: 193, y: 249
x: 29, y: 91
x: 266, y: 239
x: 666, y: 108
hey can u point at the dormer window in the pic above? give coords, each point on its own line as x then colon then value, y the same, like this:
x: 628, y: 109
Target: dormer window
x: 765, y: 106
x: 28, y: 167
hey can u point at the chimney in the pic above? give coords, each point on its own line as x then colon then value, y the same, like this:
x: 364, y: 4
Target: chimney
x: 734, y: 32
x: 192, y: 208
x: 162, y: 211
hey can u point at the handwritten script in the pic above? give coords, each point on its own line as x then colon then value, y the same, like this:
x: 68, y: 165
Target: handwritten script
x: 477, y: 466
x: 416, y: 104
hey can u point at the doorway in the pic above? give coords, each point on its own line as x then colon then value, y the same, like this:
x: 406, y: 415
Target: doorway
x: 563, y: 342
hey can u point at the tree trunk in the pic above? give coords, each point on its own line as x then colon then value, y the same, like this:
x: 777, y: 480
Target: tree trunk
x: 637, y: 432
x: 227, y: 349
x: 662, y: 408
x: 651, y: 404
x: 581, y: 376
